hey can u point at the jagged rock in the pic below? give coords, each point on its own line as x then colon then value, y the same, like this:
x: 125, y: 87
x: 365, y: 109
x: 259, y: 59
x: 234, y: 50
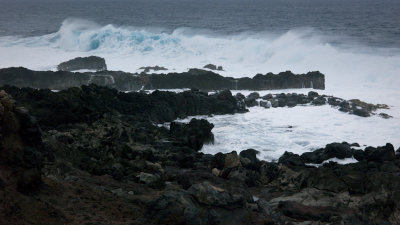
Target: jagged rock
x: 21, y: 148
x: 291, y: 159
x: 251, y: 155
x: 194, y: 134
x: 83, y: 63
x: 380, y: 154
x: 385, y: 116
x: 208, y: 194
x: 250, y: 100
x: 360, y: 112
x: 240, y: 96
x: 265, y: 104
x: 213, y: 67
x: 359, y: 155
x: 334, y: 150
x: 312, y: 94
x: 319, y: 101
x: 232, y: 160
x: 150, y: 179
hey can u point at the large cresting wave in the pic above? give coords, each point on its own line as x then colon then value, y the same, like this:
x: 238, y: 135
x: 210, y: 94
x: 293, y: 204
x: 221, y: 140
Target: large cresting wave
x: 245, y: 54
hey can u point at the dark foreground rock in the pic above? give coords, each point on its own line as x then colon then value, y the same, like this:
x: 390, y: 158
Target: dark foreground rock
x: 194, y: 134
x: 121, y: 168
x: 83, y: 63
x: 194, y: 78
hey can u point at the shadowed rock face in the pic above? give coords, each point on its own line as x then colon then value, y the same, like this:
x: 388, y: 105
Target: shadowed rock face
x: 83, y: 63
x: 21, y: 148
x: 194, y: 78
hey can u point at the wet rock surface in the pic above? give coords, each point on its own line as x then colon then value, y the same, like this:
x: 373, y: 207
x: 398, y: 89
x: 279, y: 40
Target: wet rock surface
x: 83, y: 63
x: 353, y: 106
x: 118, y: 167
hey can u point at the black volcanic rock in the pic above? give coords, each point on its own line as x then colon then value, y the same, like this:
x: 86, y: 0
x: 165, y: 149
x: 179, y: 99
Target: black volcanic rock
x: 194, y: 78
x: 89, y: 103
x: 21, y: 149
x: 194, y: 134
x: 119, y: 167
x: 380, y: 154
x: 147, y: 69
x: 291, y: 159
x: 83, y: 63
x: 334, y: 150
x: 213, y: 67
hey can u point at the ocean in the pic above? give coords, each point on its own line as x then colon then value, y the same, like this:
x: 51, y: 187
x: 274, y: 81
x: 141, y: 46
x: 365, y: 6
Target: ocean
x: 355, y: 43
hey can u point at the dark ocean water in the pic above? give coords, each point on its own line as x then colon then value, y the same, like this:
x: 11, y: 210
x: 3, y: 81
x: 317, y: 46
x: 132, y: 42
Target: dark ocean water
x: 370, y: 22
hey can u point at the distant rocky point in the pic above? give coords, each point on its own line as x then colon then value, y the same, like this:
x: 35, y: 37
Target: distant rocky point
x: 83, y: 63
x: 213, y: 67
x: 147, y: 69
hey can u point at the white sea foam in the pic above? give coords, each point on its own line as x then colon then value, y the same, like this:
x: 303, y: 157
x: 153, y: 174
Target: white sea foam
x: 299, y: 129
x: 129, y: 48
x: 371, y: 74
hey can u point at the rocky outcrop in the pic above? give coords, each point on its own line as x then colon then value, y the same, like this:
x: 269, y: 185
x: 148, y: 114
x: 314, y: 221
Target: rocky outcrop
x: 147, y: 69
x: 83, y: 63
x: 194, y: 78
x: 194, y: 134
x: 207, y: 80
x: 353, y: 106
x: 213, y: 67
x: 89, y: 103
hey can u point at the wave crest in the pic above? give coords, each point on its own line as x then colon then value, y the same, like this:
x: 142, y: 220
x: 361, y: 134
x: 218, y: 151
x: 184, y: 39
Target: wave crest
x: 245, y: 54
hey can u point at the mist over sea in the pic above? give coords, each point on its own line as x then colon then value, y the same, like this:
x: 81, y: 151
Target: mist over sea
x: 355, y: 43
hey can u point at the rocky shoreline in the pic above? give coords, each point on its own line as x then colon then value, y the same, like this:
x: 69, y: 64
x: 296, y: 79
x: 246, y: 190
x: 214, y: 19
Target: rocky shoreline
x: 123, y: 81
x: 93, y: 155
x: 352, y: 106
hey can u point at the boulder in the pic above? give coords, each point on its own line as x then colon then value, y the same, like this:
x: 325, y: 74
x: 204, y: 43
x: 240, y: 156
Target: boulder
x: 252, y: 161
x: 208, y: 194
x: 213, y: 67
x: 291, y: 159
x: 83, y: 63
x: 312, y: 94
x: 149, y: 179
x: 251, y: 99
x: 265, y: 104
x: 232, y: 160
x: 194, y: 134
x: 380, y: 154
x: 319, y: 101
x: 334, y: 150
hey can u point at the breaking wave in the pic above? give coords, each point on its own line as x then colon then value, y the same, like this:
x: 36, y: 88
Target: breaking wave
x: 244, y: 54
